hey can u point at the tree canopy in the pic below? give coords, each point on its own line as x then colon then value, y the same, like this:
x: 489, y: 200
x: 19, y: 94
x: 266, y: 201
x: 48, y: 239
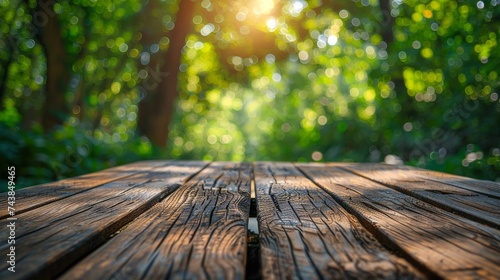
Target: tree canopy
x: 88, y: 84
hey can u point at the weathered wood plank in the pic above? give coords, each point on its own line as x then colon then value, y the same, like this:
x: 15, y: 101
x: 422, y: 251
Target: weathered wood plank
x: 32, y: 197
x: 305, y: 234
x: 448, y: 245
x: 485, y: 187
x: 488, y: 188
x: 197, y: 232
x: 476, y: 206
x: 53, y: 236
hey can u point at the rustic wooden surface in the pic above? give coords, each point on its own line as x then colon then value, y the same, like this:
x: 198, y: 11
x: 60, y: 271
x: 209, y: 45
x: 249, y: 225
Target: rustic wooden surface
x: 53, y: 236
x: 188, y: 219
x: 198, y: 232
x: 441, y: 243
x: 36, y: 196
x: 459, y: 198
x: 304, y: 233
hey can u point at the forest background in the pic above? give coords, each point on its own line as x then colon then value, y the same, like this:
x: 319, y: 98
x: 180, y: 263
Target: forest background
x: 87, y: 84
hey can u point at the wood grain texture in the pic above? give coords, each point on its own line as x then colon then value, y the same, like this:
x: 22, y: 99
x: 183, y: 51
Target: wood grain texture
x: 36, y: 196
x: 485, y: 187
x: 473, y: 205
x: 488, y: 188
x: 198, y: 232
x: 447, y: 245
x: 52, y: 237
x: 305, y: 234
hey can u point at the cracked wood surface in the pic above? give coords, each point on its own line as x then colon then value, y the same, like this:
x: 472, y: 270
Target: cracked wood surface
x: 441, y: 243
x: 53, y: 236
x: 198, y: 232
x: 305, y: 234
x: 188, y: 219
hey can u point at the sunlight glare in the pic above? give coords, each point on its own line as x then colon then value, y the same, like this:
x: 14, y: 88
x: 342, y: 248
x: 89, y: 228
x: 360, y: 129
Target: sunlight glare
x: 262, y: 7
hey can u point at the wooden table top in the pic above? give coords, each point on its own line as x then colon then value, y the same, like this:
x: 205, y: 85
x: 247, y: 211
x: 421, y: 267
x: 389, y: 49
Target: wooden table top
x: 189, y: 219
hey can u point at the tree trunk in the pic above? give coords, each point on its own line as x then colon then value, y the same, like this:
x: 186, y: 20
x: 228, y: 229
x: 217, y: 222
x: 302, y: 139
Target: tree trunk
x: 49, y: 33
x: 387, y: 33
x: 156, y: 109
x: 387, y: 22
x: 12, y: 46
x: 5, y: 73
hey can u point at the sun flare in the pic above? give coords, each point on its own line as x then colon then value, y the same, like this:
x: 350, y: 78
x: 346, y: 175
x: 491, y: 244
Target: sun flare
x: 262, y: 7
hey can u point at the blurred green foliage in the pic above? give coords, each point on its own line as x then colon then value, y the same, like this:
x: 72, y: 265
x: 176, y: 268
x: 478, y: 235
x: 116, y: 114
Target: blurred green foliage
x: 40, y: 157
x: 333, y: 86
